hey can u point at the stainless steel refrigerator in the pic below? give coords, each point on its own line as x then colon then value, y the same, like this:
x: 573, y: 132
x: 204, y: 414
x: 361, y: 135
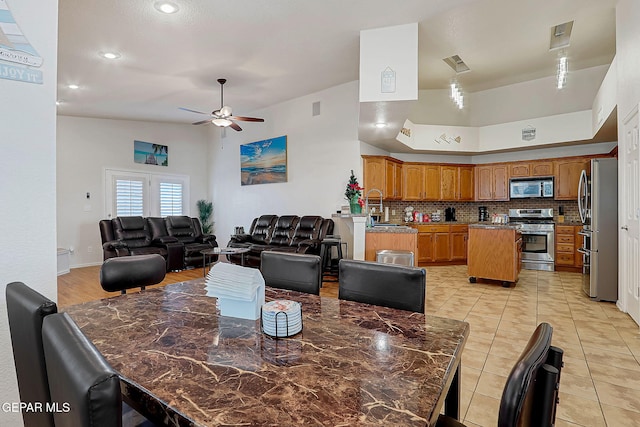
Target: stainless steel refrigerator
x: 598, y: 207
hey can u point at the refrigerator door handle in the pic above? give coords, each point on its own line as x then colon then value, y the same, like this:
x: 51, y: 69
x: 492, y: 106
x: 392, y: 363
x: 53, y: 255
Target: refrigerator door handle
x: 586, y: 251
x: 582, y: 198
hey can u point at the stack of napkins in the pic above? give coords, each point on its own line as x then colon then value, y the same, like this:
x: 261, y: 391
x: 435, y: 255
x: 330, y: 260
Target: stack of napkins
x: 240, y: 290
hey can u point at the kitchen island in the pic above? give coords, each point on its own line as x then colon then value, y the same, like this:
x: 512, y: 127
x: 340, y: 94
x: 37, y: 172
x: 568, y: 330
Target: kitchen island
x: 495, y: 252
x: 397, y: 238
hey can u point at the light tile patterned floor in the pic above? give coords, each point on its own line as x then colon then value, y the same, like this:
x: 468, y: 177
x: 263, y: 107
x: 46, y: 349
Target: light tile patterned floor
x: 600, y: 384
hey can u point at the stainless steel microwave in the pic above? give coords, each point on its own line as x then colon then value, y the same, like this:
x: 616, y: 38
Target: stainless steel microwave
x: 526, y: 188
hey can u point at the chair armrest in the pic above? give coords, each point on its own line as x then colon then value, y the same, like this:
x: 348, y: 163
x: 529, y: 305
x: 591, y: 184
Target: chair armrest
x: 164, y: 240
x: 114, y: 245
x: 307, y: 244
x: 209, y: 238
x: 241, y: 238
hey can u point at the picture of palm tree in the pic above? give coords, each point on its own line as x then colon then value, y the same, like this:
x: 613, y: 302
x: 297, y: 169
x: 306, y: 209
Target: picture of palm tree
x: 150, y: 154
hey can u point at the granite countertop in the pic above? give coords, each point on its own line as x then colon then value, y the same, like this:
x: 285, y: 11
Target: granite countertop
x: 391, y: 229
x: 353, y: 364
x: 493, y: 226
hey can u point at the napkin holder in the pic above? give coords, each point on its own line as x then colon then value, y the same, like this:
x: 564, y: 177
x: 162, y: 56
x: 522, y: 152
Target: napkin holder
x: 239, y: 290
x: 242, y: 309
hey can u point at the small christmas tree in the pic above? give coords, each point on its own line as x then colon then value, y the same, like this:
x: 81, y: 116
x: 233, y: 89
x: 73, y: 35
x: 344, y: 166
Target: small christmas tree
x: 353, y: 189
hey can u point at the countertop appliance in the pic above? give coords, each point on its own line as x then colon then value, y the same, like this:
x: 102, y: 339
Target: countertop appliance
x: 450, y: 214
x: 528, y: 188
x: 598, y: 207
x: 538, y: 237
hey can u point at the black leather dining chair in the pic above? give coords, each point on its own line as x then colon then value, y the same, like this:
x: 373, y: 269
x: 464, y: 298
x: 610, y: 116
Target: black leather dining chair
x: 530, y: 395
x: 122, y: 273
x: 388, y: 285
x: 79, y: 377
x: 296, y: 272
x: 27, y: 309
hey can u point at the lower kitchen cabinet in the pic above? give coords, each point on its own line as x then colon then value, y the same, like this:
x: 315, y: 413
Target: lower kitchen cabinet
x: 442, y: 243
x: 567, y: 257
x: 494, y: 253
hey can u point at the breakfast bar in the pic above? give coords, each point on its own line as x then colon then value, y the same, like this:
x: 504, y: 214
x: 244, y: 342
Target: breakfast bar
x: 183, y: 364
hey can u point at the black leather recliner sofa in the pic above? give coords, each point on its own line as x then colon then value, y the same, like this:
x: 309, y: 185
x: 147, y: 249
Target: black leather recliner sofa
x: 179, y: 239
x: 287, y: 233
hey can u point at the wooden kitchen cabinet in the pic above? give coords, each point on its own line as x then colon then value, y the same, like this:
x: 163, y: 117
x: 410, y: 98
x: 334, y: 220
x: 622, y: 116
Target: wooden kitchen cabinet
x: 567, y: 257
x: 567, y: 175
x: 492, y: 182
x: 385, y: 174
x: 466, y: 187
x: 529, y: 169
x: 432, y: 182
x: 449, y: 182
x: 375, y: 241
x: 441, y: 243
x: 421, y: 181
x: 494, y: 253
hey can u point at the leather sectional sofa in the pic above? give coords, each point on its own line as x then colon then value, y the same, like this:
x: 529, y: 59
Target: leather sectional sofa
x: 287, y: 233
x: 179, y: 239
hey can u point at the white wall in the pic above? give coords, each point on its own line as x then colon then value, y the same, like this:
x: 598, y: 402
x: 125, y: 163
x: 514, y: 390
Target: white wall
x: 628, y: 56
x: 87, y: 146
x: 321, y: 151
x: 28, y: 174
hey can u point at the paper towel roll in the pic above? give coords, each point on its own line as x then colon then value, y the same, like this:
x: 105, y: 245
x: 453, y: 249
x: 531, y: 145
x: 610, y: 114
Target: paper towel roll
x: 386, y: 214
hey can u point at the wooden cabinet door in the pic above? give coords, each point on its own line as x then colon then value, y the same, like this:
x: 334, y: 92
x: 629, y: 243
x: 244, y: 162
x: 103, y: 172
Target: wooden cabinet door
x: 448, y: 183
x: 500, y: 182
x: 397, y: 179
x: 425, y: 247
x: 431, y: 184
x: 374, y: 174
x: 465, y: 183
x: 520, y: 170
x: 458, y: 246
x: 413, y: 181
x: 441, y: 247
x: 542, y: 168
x: 484, y: 179
x: 567, y: 176
x: 389, y: 184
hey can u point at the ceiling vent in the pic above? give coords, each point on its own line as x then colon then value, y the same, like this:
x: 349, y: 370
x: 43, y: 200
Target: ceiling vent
x: 457, y: 64
x: 560, y: 35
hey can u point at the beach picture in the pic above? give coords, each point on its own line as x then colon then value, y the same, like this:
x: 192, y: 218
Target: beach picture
x: 150, y: 154
x: 264, y: 162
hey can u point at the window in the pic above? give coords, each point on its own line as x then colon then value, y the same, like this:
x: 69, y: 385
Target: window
x: 145, y: 194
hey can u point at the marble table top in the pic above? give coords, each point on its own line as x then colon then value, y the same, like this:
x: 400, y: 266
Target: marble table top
x: 352, y: 364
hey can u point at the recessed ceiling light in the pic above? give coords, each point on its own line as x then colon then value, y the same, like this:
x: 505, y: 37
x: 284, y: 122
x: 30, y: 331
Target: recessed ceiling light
x: 73, y: 87
x: 380, y: 125
x: 110, y: 55
x: 166, y: 7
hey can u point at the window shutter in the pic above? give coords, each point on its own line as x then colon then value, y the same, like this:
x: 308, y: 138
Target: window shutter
x: 129, y: 197
x: 170, y: 199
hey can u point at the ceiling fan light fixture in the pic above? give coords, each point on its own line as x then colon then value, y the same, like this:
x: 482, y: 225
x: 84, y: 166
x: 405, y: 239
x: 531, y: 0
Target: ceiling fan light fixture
x: 380, y: 125
x: 166, y: 7
x: 225, y: 111
x: 223, y: 123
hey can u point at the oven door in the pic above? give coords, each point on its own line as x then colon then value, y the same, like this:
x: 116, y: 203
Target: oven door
x: 537, y: 245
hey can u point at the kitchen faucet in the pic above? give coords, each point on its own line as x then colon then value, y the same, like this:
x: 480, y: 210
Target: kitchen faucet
x: 366, y: 202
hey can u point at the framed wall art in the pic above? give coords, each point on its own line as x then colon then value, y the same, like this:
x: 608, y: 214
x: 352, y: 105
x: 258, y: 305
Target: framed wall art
x: 264, y: 162
x: 150, y: 154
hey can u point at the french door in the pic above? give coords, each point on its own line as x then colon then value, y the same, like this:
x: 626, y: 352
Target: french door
x: 629, y: 262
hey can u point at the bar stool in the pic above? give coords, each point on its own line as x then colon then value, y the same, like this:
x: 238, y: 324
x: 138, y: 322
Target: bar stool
x: 326, y: 246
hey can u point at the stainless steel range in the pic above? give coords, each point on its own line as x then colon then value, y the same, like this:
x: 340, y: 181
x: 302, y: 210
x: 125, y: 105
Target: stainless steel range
x: 538, y: 234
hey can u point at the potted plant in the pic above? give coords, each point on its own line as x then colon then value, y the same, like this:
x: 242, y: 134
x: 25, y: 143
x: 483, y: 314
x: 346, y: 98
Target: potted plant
x: 353, y: 194
x: 205, y: 210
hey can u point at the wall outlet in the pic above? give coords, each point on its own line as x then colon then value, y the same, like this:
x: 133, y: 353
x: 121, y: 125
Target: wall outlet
x: 90, y: 249
x: 393, y: 211
x: 71, y: 249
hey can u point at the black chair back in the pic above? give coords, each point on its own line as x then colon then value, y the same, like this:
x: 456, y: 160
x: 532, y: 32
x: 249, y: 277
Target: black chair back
x: 388, y: 285
x: 27, y: 309
x: 120, y: 274
x: 530, y: 393
x: 79, y: 377
x: 296, y: 272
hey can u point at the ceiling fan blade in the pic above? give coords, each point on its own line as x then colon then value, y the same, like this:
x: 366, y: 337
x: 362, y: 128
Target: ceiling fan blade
x: 192, y: 111
x: 246, y: 119
x: 202, y: 122
x: 235, y: 126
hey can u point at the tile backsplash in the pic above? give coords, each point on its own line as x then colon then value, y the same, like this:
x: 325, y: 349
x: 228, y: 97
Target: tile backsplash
x: 468, y: 211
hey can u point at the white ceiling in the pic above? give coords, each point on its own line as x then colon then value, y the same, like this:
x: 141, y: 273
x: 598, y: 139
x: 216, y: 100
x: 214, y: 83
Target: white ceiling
x: 273, y: 51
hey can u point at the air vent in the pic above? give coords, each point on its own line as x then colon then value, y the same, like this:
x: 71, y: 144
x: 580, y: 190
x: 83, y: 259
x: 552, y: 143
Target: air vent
x: 315, y: 108
x: 457, y: 64
x: 560, y: 35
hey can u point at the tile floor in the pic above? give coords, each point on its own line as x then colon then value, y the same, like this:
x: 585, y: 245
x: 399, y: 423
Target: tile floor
x: 600, y: 383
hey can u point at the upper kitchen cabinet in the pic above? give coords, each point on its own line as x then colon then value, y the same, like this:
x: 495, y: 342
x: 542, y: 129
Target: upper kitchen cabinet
x: 384, y: 174
x: 421, y: 181
x: 456, y: 183
x: 492, y: 182
x: 529, y: 169
x: 567, y: 175
x: 466, y: 178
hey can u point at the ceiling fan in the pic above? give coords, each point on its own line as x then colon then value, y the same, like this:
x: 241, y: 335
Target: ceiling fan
x: 223, y: 117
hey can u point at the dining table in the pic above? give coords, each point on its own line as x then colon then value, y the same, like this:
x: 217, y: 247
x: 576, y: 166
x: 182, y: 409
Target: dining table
x: 183, y: 364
